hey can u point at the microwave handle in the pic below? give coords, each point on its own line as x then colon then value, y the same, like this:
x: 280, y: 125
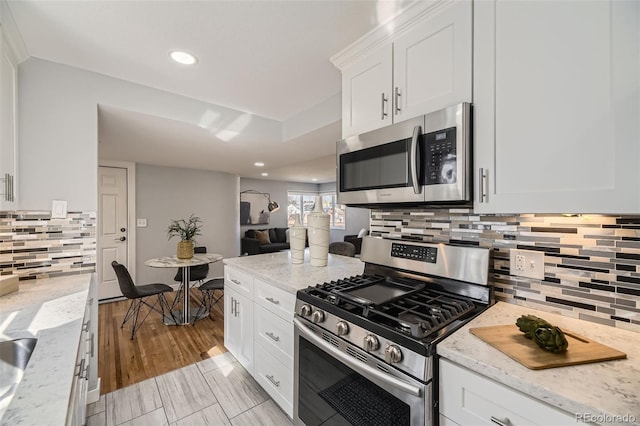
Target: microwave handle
x: 414, y: 160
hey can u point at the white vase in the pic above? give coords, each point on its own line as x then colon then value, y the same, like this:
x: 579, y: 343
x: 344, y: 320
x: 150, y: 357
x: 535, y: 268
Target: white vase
x: 318, y: 234
x: 297, y: 239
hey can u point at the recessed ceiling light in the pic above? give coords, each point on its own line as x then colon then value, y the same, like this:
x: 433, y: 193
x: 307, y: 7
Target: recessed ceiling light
x: 265, y: 174
x: 258, y: 164
x: 183, y: 58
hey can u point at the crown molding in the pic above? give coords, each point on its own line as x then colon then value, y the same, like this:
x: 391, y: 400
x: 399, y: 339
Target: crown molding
x: 11, y: 33
x: 387, y: 31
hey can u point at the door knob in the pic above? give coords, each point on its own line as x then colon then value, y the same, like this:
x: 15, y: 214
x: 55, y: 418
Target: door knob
x: 123, y: 229
x: 121, y: 239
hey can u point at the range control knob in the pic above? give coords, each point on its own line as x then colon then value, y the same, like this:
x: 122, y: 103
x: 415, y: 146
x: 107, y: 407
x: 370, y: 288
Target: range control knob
x: 305, y: 310
x: 371, y: 343
x: 392, y: 354
x: 317, y: 316
x: 342, y: 328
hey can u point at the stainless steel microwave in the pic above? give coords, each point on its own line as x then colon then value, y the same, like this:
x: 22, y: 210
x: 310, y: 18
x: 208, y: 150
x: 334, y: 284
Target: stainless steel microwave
x: 424, y: 160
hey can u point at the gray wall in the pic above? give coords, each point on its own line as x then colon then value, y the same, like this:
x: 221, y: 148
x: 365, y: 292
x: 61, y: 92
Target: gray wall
x: 165, y: 193
x: 278, y: 192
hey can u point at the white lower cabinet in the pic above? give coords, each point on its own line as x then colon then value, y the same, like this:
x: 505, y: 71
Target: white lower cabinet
x: 258, y: 331
x: 275, y: 376
x: 238, y: 327
x: 468, y: 398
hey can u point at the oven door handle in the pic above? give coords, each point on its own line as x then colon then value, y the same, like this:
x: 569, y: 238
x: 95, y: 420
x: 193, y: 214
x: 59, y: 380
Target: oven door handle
x: 355, y: 365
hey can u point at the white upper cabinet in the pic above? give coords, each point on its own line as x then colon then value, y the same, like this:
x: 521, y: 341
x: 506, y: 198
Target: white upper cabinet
x: 432, y: 63
x: 366, y: 92
x: 8, y: 125
x: 556, y: 106
x: 423, y: 65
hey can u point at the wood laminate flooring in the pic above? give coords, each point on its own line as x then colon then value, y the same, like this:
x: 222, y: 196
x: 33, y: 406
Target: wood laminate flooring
x: 157, y: 348
x: 215, y: 391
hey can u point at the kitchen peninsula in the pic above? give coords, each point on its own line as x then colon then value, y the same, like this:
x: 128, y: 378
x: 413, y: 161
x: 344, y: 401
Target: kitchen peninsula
x: 259, y: 302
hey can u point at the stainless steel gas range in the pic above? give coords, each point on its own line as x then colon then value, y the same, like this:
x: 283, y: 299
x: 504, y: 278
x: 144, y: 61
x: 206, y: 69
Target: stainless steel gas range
x: 365, y: 345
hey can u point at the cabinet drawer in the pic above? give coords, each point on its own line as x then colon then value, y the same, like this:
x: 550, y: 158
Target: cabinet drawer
x: 275, y: 377
x: 467, y: 397
x: 280, y: 302
x: 274, y: 333
x: 239, y: 281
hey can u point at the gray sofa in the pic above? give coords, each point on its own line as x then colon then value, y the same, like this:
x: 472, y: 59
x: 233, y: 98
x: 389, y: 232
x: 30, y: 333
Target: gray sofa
x: 278, y: 241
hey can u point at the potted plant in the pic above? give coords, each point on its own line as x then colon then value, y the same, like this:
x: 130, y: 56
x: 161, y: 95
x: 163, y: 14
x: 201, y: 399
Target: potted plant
x: 187, y: 230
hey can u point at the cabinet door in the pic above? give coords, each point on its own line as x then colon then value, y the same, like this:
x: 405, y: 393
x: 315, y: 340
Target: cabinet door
x: 238, y: 327
x: 556, y: 106
x: 432, y: 63
x: 8, y: 125
x: 468, y: 398
x: 366, y: 93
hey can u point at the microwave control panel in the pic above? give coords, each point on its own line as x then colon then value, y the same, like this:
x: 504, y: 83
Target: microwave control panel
x: 440, y: 152
x: 421, y: 254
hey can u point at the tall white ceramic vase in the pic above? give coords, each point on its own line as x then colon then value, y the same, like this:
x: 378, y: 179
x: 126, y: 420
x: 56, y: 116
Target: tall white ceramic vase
x: 297, y: 240
x: 318, y: 234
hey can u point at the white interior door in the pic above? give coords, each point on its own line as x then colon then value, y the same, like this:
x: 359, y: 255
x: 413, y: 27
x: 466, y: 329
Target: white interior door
x: 112, y: 228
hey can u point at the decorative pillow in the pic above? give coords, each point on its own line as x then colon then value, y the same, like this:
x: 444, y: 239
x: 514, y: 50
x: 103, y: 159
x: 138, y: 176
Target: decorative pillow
x: 263, y: 236
x: 280, y: 235
x: 363, y: 232
x: 273, y: 237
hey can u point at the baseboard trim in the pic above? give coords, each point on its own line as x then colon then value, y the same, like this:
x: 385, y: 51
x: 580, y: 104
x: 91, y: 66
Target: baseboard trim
x: 94, y: 394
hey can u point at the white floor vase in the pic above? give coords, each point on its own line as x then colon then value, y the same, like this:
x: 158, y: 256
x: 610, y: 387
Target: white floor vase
x: 318, y: 235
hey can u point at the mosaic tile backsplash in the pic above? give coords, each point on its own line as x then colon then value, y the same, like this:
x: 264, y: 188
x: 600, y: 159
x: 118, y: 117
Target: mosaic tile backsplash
x: 592, y: 262
x: 33, y: 245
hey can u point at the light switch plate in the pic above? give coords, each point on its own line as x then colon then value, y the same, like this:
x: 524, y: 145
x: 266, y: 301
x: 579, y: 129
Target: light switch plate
x: 141, y: 223
x: 526, y: 263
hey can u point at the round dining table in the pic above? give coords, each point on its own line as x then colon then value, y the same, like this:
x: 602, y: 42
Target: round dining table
x: 183, y: 316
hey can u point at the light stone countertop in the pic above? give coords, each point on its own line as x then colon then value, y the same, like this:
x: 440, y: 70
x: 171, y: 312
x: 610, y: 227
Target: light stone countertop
x: 277, y: 269
x: 609, y: 389
x: 52, y: 310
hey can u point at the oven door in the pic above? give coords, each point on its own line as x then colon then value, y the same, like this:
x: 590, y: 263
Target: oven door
x: 336, y: 383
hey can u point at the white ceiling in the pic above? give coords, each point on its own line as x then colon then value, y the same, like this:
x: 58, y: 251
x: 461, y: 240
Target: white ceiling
x: 268, y: 58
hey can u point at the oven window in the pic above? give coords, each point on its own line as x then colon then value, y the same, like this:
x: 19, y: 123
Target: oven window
x: 332, y: 394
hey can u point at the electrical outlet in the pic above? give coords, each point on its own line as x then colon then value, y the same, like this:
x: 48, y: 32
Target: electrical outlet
x: 141, y: 223
x: 526, y: 263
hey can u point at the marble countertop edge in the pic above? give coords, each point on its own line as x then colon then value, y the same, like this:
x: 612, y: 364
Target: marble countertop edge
x: 51, y: 310
x: 602, y: 389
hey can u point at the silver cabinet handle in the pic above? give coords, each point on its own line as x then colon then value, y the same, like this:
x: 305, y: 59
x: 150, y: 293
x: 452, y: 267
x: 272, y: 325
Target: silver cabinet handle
x: 236, y: 281
x: 80, y: 368
x: 482, y: 185
x: 275, y: 382
x: 272, y: 300
x: 233, y: 305
x: 8, y: 187
x: 349, y: 361
x: 414, y: 160
x: 383, y: 107
x: 272, y: 336
x: 397, y: 101
x: 93, y: 345
x: 86, y: 325
x: 237, y: 306
x: 504, y: 422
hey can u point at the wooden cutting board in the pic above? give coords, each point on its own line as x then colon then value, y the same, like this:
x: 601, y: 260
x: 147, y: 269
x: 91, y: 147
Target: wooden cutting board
x: 511, y: 341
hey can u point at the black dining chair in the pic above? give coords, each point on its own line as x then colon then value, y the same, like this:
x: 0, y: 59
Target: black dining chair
x: 197, y: 273
x: 209, y: 298
x: 138, y: 294
x: 342, y: 248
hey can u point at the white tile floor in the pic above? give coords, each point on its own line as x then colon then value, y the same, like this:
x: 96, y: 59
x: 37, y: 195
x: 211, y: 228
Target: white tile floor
x: 216, y: 391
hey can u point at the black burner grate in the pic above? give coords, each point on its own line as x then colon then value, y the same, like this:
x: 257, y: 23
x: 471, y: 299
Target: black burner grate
x: 421, y: 314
